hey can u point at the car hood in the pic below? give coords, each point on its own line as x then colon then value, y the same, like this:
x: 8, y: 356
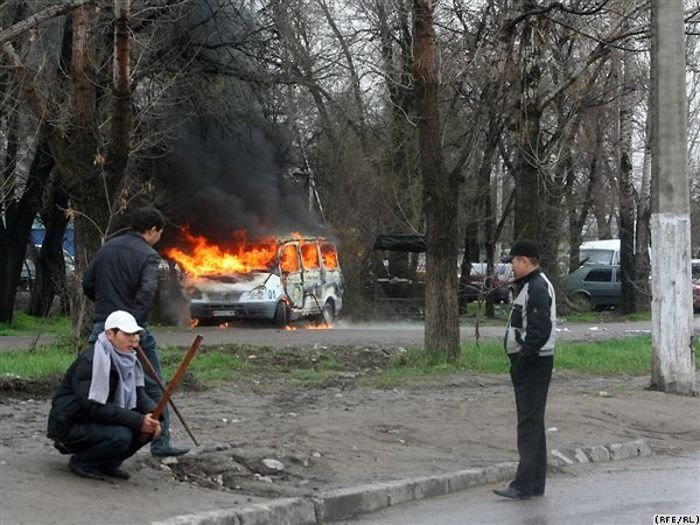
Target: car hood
x: 230, y: 283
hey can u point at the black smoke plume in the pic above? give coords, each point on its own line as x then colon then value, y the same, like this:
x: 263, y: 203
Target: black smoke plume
x: 220, y: 178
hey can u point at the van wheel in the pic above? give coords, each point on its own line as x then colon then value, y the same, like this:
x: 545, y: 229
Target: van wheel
x: 281, y: 318
x: 327, y: 313
x: 580, y: 302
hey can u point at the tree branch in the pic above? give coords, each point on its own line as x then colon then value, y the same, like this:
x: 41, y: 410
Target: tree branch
x: 38, y: 18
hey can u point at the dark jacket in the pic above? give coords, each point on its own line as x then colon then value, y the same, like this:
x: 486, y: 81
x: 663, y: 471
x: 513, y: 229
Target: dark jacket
x: 123, y: 276
x: 532, y: 323
x: 71, y: 409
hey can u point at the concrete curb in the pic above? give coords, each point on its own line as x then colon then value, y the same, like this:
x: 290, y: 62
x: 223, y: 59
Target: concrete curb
x: 345, y: 503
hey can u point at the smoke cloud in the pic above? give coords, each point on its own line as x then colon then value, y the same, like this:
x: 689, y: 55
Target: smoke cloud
x: 220, y: 179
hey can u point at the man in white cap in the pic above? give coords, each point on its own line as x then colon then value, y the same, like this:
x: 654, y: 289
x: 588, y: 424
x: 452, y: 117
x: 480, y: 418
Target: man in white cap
x: 100, y: 408
x: 124, y: 276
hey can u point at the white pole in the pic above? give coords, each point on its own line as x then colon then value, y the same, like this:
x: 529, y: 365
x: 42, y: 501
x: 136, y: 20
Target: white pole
x: 673, y: 363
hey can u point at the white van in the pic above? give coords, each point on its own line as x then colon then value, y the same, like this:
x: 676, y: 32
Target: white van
x: 303, y: 280
x: 605, y: 252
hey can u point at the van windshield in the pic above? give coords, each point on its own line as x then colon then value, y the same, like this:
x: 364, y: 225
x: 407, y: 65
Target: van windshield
x: 596, y: 256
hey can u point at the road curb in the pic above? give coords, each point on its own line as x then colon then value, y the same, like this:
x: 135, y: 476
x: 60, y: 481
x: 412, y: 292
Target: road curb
x: 348, y: 502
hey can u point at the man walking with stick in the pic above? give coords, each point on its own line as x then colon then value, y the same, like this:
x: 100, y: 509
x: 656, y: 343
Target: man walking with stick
x: 124, y: 276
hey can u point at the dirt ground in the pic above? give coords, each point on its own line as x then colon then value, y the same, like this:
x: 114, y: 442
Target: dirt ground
x: 338, y: 434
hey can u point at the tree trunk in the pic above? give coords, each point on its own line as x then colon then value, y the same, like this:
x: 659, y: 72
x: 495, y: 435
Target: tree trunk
x: 121, y: 101
x: 643, y: 228
x: 471, y: 251
x: 50, y: 264
x: 577, y: 219
x: 485, y: 207
x: 440, y: 197
x: 527, y: 196
x: 14, y: 236
x: 628, y: 302
x: 673, y: 362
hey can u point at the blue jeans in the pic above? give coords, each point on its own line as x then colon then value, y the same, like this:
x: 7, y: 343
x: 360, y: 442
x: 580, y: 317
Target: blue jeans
x: 148, y: 345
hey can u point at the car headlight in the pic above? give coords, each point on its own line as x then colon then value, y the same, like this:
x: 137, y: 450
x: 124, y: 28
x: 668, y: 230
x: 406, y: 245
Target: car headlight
x: 193, y: 293
x: 257, y: 293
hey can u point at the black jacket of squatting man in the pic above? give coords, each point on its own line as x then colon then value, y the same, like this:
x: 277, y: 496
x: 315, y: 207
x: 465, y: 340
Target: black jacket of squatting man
x: 71, y: 409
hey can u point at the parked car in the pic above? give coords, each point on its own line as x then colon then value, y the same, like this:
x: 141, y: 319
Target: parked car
x: 28, y: 272
x: 599, y: 286
x: 303, y: 280
x: 605, y: 252
x: 502, y: 290
x: 695, y: 273
x: 594, y: 286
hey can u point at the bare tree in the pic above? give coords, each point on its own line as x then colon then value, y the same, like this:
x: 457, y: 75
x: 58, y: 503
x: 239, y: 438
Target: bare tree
x: 440, y: 195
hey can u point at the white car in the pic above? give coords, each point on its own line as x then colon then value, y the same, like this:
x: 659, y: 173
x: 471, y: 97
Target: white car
x: 303, y: 280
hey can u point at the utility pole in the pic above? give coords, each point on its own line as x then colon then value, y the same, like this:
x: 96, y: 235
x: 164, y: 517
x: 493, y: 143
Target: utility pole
x: 673, y: 360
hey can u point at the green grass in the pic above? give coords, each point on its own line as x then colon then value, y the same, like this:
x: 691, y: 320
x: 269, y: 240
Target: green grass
x: 24, y: 324
x: 312, y: 378
x: 630, y: 356
x: 209, y: 367
x: 40, y: 362
x: 217, y: 366
x: 606, y: 316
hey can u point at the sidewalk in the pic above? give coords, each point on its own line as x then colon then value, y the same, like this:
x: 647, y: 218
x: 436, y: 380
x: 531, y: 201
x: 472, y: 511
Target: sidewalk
x: 336, y: 449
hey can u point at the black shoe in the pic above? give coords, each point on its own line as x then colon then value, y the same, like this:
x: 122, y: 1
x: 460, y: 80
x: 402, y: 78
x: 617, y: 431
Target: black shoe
x: 169, y: 451
x: 84, y: 472
x: 511, y: 493
x: 115, y: 472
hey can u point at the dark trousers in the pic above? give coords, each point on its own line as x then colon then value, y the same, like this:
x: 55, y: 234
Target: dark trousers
x: 531, y: 377
x: 105, y: 445
x: 148, y: 345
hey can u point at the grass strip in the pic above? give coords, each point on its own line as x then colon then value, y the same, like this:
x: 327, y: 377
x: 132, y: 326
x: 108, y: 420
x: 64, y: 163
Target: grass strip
x: 25, y: 324
x: 216, y: 366
x: 631, y: 356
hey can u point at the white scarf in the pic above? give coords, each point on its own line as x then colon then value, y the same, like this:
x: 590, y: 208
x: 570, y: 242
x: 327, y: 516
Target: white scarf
x: 128, y: 369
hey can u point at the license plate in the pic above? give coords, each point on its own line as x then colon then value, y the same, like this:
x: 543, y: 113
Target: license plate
x: 224, y: 313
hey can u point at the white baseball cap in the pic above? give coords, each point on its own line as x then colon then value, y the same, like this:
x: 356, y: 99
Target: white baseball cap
x: 123, y: 321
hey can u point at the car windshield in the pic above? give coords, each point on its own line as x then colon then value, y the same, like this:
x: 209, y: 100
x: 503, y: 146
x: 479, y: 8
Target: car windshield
x: 596, y: 256
x: 233, y: 277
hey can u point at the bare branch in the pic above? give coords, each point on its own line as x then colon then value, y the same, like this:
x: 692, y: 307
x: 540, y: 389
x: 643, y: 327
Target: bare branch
x: 42, y: 16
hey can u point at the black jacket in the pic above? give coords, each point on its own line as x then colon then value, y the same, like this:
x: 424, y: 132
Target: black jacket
x: 71, y: 408
x: 531, y: 326
x: 123, y: 276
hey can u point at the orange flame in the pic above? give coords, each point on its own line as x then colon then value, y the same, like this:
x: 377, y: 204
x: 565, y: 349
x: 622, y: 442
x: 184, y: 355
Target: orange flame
x: 330, y: 257
x: 239, y: 256
x: 321, y: 326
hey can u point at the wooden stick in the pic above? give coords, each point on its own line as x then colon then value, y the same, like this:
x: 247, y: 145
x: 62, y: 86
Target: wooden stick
x: 174, y: 382
x: 152, y: 372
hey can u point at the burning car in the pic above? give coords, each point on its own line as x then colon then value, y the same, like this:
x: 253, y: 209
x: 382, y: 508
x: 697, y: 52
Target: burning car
x: 273, y: 279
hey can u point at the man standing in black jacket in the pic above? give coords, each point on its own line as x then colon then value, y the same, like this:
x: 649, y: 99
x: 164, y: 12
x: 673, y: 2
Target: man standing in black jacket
x: 101, y: 407
x: 529, y: 342
x: 124, y: 276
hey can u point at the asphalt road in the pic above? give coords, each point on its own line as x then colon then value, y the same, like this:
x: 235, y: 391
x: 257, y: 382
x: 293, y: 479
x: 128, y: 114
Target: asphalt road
x: 628, y: 492
x: 344, y: 333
